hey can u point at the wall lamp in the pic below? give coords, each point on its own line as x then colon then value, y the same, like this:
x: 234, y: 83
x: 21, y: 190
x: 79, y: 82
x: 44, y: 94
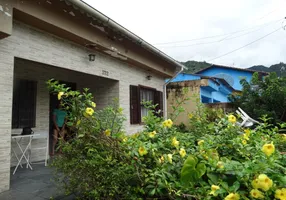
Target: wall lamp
x: 148, y: 77
x: 91, y: 57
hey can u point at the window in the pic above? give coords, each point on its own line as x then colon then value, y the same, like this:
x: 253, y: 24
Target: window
x: 139, y: 94
x: 146, y: 95
x: 24, y: 103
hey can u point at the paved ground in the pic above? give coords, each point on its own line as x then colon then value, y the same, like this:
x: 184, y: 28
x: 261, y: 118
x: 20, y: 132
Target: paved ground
x: 33, y: 185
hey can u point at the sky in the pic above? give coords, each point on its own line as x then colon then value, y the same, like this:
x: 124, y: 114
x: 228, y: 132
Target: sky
x: 220, y: 32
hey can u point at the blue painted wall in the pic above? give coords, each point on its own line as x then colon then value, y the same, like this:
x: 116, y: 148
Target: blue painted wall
x: 219, y: 97
x: 209, y: 94
x: 236, y: 75
x: 214, y: 95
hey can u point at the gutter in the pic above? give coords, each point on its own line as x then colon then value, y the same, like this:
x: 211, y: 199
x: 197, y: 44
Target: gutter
x: 96, y: 15
x: 165, y: 92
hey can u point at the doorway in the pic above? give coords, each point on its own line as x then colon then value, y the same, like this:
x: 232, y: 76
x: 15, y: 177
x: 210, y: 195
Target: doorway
x: 53, y: 104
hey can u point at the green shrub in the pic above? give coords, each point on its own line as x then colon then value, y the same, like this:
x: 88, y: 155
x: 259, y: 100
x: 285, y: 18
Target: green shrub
x: 93, y: 164
x: 215, y: 159
x: 263, y: 97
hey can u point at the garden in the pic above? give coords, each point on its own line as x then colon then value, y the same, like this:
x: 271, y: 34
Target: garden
x: 212, y: 159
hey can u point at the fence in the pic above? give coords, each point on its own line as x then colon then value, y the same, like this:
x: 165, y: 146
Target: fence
x: 227, y: 107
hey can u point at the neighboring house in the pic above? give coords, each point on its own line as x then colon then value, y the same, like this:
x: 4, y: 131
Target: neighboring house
x: 212, y: 90
x: 211, y: 86
x: 40, y: 40
x: 231, y: 74
x: 199, y: 88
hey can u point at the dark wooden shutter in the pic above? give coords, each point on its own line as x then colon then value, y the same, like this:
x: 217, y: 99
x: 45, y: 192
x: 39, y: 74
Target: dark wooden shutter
x: 15, y: 106
x: 134, y: 105
x: 24, y: 104
x: 158, y: 99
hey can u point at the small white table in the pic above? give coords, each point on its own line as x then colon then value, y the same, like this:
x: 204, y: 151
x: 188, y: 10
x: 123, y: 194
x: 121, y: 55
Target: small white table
x: 17, y: 139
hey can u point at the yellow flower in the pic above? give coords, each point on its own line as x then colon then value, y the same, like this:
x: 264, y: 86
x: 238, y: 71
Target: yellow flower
x: 161, y: 160
x: 170, y: 156
x: 232, y: 196
x: 247, y: 132
x: 152, y: 134
x: 264, y: 182
x: 182, y: 152
x: 175, y: 142
x: 78, y: 122
x: 245, y: 137
x: 256, y: 194
x: 232, y: 119
x: 220, y: 165
x: 191, y: 116
x: 125, y: 139
x: 283, y: 137
x: 93, y: 104
x: 255, y: 184
x: 120, y: 110
x: 268, y: 149
x: 214, y: 188
x: 201, y: 142
x: 280, y: 194
x: 206, y: 157
x: 107, y: 132
x: 142, y: 151
x: 60, y: 94
x: 89, y: 111
x: 167, y: 123
x: 244, y: 142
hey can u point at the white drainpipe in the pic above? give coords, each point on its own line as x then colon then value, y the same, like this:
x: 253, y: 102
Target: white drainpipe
x: 165, y: 113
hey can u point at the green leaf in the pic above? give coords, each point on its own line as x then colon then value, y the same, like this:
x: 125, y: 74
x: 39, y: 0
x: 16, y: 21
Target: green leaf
x: 213, y: 178
x: 224, y: 185
x: 201, y: 169
x: 192, y: 171
x: 152, y: 192
x: 235, y: 186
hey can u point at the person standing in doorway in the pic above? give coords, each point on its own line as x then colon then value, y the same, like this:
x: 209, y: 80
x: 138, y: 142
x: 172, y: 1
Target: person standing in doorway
x: 59, y: 120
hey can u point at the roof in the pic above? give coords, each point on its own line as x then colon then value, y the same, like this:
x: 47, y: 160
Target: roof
x: 96, y: 15
x: 235, y: 68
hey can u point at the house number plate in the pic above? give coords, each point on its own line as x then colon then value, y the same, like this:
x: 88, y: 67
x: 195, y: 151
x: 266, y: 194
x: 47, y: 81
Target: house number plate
x: 105, y: 73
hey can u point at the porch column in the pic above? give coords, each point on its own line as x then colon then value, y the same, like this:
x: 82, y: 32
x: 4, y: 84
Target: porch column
x: 6, y: 91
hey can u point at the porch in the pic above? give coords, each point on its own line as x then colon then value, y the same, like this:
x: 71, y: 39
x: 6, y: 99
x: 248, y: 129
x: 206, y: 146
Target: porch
x: 34, y: 185
x: 33, y: 105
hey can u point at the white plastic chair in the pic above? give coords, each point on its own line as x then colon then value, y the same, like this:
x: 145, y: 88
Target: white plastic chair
x: 247, y: 121
x: 46, y: 147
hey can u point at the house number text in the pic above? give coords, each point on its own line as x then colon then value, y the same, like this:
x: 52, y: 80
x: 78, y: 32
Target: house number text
x: 105, y: 73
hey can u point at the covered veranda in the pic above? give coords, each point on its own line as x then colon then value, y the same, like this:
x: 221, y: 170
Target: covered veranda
x: 33, y: 107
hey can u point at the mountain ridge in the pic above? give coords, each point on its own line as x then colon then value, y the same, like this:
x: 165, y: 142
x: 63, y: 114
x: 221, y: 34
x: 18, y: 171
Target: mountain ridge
x: 194, y: 66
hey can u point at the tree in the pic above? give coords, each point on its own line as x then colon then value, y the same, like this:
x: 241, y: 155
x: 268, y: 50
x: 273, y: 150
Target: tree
x: 265, y: 96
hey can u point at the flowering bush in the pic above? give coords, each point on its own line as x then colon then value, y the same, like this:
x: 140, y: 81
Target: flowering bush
x: 215, y: 159
x: 93, y: 164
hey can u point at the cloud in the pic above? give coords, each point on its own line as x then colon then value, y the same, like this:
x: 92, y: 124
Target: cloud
x: 168, y: 21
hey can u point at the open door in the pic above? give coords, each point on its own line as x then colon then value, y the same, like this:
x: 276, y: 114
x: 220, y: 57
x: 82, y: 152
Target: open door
x: 53, y: 103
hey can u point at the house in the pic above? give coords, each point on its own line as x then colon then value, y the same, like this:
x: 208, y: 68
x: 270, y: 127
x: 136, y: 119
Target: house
x: 205, y: 89
x: 70, y: 41
x: 231, y: 74
x: 211, y: 86
x: 211, y: 89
